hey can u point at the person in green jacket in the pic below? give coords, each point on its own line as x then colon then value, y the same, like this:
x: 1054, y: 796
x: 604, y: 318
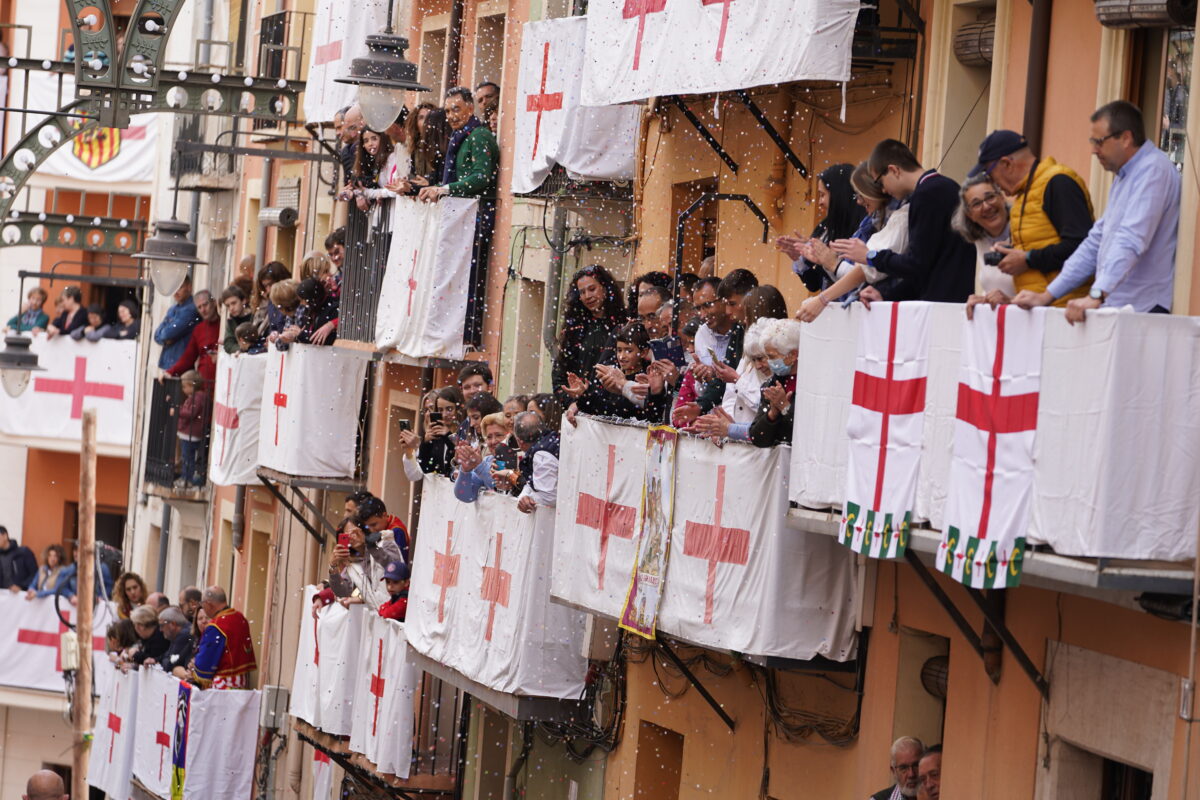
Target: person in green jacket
x: 32, y: 317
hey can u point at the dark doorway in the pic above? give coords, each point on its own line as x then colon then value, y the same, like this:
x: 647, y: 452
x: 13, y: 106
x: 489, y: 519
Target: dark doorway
x: 1123, y: 782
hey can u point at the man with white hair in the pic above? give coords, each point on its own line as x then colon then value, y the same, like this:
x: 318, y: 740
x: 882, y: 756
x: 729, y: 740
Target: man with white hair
x: 225, y: 652
x: 906, y: 756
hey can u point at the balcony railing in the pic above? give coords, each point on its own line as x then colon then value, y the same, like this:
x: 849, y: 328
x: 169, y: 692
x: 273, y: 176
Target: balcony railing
x: 368, y: 238
x: 164, y: 449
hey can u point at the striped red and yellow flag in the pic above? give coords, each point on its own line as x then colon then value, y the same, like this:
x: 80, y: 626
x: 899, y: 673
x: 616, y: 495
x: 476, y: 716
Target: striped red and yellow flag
x: 97, y: 147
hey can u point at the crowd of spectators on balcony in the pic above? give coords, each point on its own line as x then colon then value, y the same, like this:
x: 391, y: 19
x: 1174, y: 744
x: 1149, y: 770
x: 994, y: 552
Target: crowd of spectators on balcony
x: 75, y: 320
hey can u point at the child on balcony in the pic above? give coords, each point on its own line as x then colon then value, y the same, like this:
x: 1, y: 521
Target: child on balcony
x: 249, y: 339
x: 396, y: 579
x: 192, y: 428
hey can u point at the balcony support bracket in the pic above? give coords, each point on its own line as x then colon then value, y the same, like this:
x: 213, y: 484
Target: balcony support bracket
x: 694, y: 681
x: 993, y: 619
x: 775, y: 136
x: 295, y: 512
x: 343, y: 761
x: 705, y: 133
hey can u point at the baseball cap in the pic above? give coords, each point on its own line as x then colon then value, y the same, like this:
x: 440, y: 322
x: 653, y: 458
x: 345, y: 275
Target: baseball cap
x: 396, y: 571
x: 996, y: 146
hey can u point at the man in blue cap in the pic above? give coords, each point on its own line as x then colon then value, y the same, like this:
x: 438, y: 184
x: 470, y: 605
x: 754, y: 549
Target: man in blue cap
x: 396, y: 578
x: 1051, y: 210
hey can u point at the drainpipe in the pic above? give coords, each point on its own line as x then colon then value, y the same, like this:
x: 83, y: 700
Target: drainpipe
x: 164, y: 541
x: 264, y: 201
x: 1035, y: 82
x: 553, y: 300
x: 239, y: 518
x: 510, y: 780
x: 454, y: 44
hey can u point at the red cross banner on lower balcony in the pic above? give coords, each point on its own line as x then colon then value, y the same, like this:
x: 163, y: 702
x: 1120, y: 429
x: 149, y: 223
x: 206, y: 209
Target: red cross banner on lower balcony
x: 423, y: 300
x: 339, y: 35
x: 76, y: 375
x: 730, y: 557
x: 991, y: 475
x: 647, y: 48
x: 493, y: 623
x: 383, y: 698
x: 154, y: 734
x: 29, y: 642
x: 222, y: 729
x: 339, y: 639
x: 237, y: 406
x: 1102, y: 432
x: 309, y: 419
x: 110, y: 766
x: 592, y: 143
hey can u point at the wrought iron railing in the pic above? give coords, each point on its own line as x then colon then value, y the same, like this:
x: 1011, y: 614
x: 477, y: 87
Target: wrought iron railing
x: 164, y: 452
x: 368, y: 237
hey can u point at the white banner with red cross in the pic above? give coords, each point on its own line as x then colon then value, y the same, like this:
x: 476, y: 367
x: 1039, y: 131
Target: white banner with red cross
x: 222, y: 732
x: 306, y: 678
x: 480, y: 598
x: 30, y: 657
x: 322, y: 775
x: 339, y: 35
x: 74, y: 376
x: 308, y: 422
x: 423, y: 300
x: 730, y: 554
x: 110, y: 765
x: 122, y: 158
x: 384, y: 686
x: 339, y: 637
x: 648, y: 48
x: 236, y: 409
x: 593, y: 143
x: 154, y: 734
x: 991, y: 476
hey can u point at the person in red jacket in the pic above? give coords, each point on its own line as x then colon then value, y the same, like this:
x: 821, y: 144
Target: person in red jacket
x: 192, y: 428
x: 201, y: 351
x: 395, y: 578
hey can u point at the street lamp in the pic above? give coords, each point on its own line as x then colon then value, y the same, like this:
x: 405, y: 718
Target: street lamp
x: 168, y: 255
x: 17, y: 361
x: 383, y: 77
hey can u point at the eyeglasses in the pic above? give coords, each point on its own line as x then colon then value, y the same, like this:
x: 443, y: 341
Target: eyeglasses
x: 988, y: 169
x: 1097, y: 142
x: 878, y: 180
x: 987, y: 199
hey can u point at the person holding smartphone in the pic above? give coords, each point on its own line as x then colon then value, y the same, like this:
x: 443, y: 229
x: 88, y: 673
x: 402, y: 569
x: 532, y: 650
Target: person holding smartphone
x: 436, y: 452
x: 356, y: 566
x: 479, y: 470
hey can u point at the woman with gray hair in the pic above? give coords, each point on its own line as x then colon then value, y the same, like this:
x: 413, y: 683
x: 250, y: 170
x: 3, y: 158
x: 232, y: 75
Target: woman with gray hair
x: 152, y: 644
x: 982, y: 219
x: 773, y: 423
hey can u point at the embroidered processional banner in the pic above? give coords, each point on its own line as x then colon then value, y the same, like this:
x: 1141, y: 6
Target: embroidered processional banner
x: 648, y: 48
x: 590, y: 142
x: 236, y: 409
x: 640, y: 612
x: 423, y: 300
x: 311, y: 397
x: 480, y: 598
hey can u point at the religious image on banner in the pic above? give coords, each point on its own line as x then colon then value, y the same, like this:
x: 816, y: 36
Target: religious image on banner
x: 992, y: 472
x: 183, y: 710
x: 640, y: 612
x: 885, y: 426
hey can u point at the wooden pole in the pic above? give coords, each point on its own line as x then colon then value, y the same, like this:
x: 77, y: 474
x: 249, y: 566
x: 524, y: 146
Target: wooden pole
x: 85, y: 560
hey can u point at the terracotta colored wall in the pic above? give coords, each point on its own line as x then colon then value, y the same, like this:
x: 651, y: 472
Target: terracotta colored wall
x: 52, y: 481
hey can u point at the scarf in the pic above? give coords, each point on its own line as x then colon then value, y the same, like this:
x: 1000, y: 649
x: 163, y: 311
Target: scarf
x: 450, y: 167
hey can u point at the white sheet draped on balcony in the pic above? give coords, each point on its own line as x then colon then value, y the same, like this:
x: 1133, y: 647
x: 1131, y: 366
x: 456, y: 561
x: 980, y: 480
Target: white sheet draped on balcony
x: 29, y: 642
x: 339, y: 35
x: 330, y: 649
x: 236, y: 412
x: 480, y: 599
x: 1117, y: 453
x: 594, y: 143
x: 649, y: 48
x: 771, y: 590
x: 309, y: 413
x: 75, y: 375
x: 423, y: 300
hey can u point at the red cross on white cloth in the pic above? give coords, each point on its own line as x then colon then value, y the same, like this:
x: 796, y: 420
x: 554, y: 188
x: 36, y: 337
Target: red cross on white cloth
x: 994, y: 414
x: 377, y: 685
x: 889, y: 397
x: 716, y: 544
x: 280, y: 400
x: 605, y: 516
x: 163, y: 739
x: 332, y: 49
x: 225, y: 415
x: 445, y: 570
x: 412, y: 282
x: 724, y: 23
x: 541, y: 102
x: 79, y: 388
x: 114, y: 722
x: 495, y: 587
x: 47, y: 639
x: 639, y: 9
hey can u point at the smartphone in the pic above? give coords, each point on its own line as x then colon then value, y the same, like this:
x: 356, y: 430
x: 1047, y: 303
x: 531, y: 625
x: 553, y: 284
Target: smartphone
x: 343, y: 540
x: 506, y: 458
x: 435, y: 417
x: 713, y: 355
x: 405, y: 425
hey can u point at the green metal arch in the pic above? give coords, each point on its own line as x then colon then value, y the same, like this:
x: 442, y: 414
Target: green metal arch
x: 89, y: 41
x: 42, y: 141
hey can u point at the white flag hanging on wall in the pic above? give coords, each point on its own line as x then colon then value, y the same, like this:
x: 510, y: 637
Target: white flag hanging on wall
x: 154, y: 737
x: 423, y: 301
x: 385, y: 683
x: 339, y: 35
x: 594, y: 143
x: 647, y: 48
x: 29, y: 642
x: 237, y: 404
x: 310, y: 402
x: 110, y: 765
x: 75, y: 375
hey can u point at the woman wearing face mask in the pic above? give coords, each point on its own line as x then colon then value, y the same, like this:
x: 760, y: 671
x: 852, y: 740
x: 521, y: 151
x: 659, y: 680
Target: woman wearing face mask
x: 773, y: 423
x: 628, y: 387
x: 593, y: 313
x: 742, y: 398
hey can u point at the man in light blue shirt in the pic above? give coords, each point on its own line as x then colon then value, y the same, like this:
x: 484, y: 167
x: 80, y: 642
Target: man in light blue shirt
x: 1131, y: 249
x: 176, y: 326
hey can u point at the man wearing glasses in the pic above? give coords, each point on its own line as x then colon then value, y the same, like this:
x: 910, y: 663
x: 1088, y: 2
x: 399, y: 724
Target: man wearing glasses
x: 1130, y: 250
x: 1051, y: 211
x: 906, y: 756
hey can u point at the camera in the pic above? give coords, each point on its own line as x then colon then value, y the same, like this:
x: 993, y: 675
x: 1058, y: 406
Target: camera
x: 993, y: 258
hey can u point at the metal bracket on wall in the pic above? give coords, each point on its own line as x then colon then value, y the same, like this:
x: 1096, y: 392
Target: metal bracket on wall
x: 705, y: 133
x: 993, y: 620
x: 765, y: 123
x: 694, y: 681
x: 348, y: 764
x: 295, y: 512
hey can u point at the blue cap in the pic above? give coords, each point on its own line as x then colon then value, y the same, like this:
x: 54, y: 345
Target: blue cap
x: 396, y: 571
x: 996, y: 146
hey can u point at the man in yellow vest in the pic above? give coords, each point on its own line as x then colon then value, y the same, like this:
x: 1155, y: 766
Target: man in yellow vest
x: 1051, y: 211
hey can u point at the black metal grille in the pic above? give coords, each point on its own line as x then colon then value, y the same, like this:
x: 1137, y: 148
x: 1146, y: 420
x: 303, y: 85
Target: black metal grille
x: 162, y: 440
x: 366, y: 258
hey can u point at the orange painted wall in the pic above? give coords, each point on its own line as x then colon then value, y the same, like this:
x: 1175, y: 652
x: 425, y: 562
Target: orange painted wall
x: 52, y: 481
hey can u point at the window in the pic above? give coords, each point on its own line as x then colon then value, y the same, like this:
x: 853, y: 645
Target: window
x: 1172, y: 138
x: 1123, y: 782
